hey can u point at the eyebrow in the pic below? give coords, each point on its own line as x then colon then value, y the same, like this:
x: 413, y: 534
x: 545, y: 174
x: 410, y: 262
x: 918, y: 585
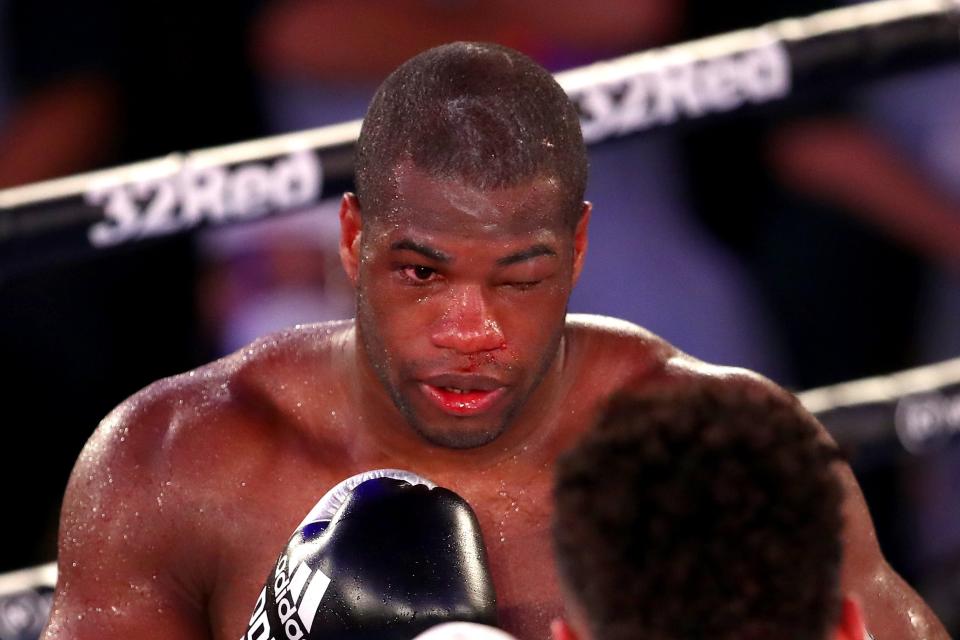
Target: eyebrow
x: 436, y: 255
x: 535, y: 251
x: 409, y: 245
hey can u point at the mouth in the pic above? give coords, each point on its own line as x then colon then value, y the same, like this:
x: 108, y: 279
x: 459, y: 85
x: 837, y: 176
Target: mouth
x: 463, y: 395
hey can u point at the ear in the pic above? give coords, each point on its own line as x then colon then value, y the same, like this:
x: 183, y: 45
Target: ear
x: 851, y: 625
x: 560, y: 630
x: 351, y: 226
x: 580, y: 240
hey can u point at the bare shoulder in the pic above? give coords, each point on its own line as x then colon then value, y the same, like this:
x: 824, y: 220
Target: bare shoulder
x: 617, y: 344
x: 183, y: 428
x: 122, y: 520
x: 132, y: 484
x: 683, y: 369
x: 648, y: 359
x: 144, y: 509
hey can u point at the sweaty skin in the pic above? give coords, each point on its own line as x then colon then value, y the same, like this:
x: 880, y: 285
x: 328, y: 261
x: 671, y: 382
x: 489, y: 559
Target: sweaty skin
x: 185, y: 494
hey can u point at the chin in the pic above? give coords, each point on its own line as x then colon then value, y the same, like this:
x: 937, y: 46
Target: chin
x: 457, y: 436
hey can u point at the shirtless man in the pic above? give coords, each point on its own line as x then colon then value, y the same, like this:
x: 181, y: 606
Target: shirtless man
x: 464, y: 240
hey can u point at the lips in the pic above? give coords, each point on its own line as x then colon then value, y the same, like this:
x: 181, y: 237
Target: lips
x: 463, y: 395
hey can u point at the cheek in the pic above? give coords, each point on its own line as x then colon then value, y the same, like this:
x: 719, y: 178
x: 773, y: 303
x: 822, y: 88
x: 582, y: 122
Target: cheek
x: 399, y: 316
x: 531, y: 321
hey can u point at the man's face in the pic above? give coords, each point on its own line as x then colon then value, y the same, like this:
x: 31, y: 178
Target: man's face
x: 461, y: 298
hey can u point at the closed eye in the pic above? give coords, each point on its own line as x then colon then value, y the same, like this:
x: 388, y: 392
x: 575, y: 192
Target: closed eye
x: 522, y: 285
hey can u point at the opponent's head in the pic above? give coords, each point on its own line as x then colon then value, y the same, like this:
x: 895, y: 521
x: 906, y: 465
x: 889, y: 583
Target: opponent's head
x: 466, y: 235
x: 707, y: 512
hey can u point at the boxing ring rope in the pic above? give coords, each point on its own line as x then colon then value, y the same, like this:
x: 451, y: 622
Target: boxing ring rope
x: 919, y: 408
x: 666, y: 87
x: 907, y: 413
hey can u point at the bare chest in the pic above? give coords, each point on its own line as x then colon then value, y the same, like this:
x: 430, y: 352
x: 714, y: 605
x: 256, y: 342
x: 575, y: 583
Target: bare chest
x: 514, y: 517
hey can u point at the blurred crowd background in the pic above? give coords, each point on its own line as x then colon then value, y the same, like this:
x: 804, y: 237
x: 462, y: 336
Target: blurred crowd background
x: 816, y: 244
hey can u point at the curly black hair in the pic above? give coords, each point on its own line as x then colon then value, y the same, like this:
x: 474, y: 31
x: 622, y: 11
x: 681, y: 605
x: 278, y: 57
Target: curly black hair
x: 478, y: 112
x: 711, y: 511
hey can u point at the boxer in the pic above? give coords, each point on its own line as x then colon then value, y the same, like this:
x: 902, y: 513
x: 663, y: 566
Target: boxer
x: 707, y: 511
x: 464, y: 239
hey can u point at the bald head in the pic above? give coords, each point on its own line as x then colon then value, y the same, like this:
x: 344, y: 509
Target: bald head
x: 480, y: 113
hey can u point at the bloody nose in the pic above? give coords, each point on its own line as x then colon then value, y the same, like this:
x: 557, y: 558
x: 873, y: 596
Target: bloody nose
x: 467, y: 324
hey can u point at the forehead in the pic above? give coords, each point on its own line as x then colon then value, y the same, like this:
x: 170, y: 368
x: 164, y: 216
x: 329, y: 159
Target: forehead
x: 432, y: 204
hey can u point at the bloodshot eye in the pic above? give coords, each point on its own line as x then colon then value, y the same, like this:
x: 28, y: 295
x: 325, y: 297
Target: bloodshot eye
x: 419, y: 273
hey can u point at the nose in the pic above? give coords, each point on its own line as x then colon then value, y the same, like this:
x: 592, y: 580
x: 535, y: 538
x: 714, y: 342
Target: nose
x: 467, y: 324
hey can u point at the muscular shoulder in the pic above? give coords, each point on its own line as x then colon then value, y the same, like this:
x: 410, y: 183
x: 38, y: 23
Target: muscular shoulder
x: 176, y: 456
x: 126, y: 504
x: 241, y: 400
x: 684, y: 369
x: 642, y: 359
x: 616, y: 346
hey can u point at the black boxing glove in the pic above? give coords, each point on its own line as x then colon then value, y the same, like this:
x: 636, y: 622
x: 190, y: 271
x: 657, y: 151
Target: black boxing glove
x: 383, y: 555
